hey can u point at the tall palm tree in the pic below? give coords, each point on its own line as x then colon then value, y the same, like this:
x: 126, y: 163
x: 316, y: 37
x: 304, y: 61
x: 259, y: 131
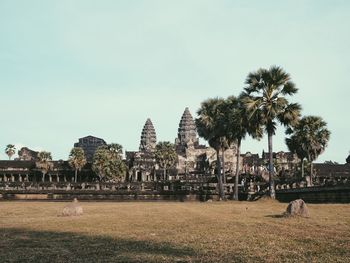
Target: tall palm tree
x: 237, y: 126
x: 165, y: 155
x: 210, y: 127
x: 264, y: 98
x: 10, y: 150
x: 77, y: 160
x: 44, y: 163
x: 308, y: 139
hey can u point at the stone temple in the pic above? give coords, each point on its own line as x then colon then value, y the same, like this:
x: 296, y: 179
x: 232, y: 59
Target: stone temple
x: 90, y: 145
x: 193, y: 159
x: 142, y: 164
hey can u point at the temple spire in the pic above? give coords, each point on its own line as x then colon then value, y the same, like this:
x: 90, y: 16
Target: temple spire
x: 187, y: 133
x: 148, y: 137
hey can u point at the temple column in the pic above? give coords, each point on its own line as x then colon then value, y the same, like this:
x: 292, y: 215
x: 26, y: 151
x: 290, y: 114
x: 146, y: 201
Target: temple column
x: 20, y: 177
x: 50, y: 178
x: 12, y: 178
x: 27, y: 177
x: 58, y: 178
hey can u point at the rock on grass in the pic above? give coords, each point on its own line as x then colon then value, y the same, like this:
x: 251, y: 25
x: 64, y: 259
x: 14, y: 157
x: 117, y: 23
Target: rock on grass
x: 297, y: 208
x: 73, y: 209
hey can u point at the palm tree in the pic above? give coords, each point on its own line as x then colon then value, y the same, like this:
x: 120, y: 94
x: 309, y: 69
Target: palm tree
x: 10, y: 150
x: 265, y: 100
x: 237, y: 127
x: 77, y: 160
x: 44, y: 163
x: 165, y: 155
x: 210, y: 127
x: 308, y: 139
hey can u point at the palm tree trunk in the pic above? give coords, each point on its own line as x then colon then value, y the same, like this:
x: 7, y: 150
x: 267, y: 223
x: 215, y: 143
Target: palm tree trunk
x: 271, y: 180
x: 311, y: 172
x: 223, y: 165
x: 76, y: 175
x: 164, y: 174
x: 221, y: 188
x: 302, y: 168
x: 237, y: 169
x: 43, y: 178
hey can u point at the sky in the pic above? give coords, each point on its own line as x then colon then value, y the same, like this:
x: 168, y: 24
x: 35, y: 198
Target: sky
x: 69, y: 69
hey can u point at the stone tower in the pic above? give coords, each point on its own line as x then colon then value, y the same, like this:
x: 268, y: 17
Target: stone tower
x: 148, y: 137
x: 187, y: 132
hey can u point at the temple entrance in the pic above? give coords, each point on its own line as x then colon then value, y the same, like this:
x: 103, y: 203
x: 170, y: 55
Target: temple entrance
x: 139, y: 176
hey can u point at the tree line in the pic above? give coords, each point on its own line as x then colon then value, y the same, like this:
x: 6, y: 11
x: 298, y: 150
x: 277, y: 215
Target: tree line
x: 258, y: 109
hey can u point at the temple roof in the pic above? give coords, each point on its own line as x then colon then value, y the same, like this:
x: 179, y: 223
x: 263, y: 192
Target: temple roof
x: 187, y: 129
x: 148, y: 137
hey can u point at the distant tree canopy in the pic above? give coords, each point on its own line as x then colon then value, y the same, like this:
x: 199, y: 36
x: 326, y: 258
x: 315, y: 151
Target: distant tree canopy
x: 309, y: 138
x: 108, y: 164
x: 165, y: 155
x: 10, y: 150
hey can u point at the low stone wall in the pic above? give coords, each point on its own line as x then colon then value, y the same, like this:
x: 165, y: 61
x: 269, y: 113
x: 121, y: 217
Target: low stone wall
x: 316, y: 194
x: 84, y: 195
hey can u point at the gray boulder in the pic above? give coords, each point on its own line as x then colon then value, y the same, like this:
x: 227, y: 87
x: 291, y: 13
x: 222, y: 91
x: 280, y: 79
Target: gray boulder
x: 297, y: 208
x: 73, y: 209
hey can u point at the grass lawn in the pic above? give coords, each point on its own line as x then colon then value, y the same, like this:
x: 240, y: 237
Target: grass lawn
x: 173, y: 232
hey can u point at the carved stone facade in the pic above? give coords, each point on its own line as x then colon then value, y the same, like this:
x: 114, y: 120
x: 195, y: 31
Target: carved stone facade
x: 283, y: 161
x: 90, y: 145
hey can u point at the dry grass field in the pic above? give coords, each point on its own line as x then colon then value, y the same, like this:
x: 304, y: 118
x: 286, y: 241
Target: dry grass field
x: 173, y: 232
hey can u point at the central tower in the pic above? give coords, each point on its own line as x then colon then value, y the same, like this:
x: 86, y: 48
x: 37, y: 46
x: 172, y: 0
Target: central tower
x: 148, y: 137
x: 187, y: 132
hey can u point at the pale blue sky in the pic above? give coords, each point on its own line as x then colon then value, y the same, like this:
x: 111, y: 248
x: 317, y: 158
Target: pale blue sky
x: 74, y: 68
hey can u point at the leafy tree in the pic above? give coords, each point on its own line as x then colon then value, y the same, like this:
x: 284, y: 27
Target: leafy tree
x: 44, y: 163
x: 165, y: 155
x: 210, y: 127
x: 107, y: 162
x: 237, y: 127
x: 77, y: 160
x: 265, y: 100
x: 10, y: 150
x: 308, y: 139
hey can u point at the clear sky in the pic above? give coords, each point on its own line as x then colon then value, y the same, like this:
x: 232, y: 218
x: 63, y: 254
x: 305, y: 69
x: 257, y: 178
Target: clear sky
x: 74, y: 68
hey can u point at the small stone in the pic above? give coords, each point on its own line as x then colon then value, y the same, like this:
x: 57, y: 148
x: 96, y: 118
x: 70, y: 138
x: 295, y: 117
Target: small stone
x: 73, y: 209
x: 297, y: 208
